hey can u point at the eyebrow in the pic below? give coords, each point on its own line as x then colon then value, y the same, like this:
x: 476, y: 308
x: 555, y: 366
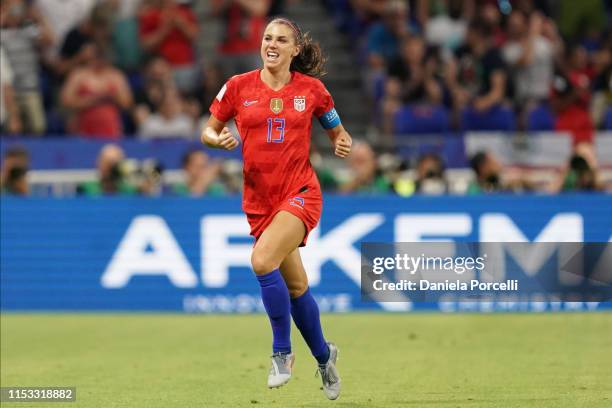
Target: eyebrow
x: 280, y: 36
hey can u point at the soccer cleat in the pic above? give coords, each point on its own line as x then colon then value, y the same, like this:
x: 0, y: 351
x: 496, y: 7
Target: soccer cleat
x: 280, y: 371
x: 329, y: 374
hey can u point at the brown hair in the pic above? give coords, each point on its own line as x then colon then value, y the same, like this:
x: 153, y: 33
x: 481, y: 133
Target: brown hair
x: 310, y: 61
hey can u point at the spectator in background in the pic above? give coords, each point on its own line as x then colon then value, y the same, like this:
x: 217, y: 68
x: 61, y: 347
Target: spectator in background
x: 602, y: 85
x: 582, y: 172
x: 15, y: 164
x: 158, y: 80
x: 579, y: 68
x: 96, y: 93
x: 169, y: 121
x: 125, y: 40
x: 411, y: 80
x: 200, y: 176
x: 430, y: 179
x: 111, y: 178
x: 447, y: 27
x: 365, y: 177
x: 383, y: 41
x: 147, y: 175
x: 571, y: 96
x: 63, y: 16
x: 476, y: 76
x: 490, y: 15
x: 369, y: 10
x: 415, y: 69
x: 487, y: 169
x: 96, y: 28
x: 23, y: 31
x: 580, y: 176
x: 530, y: 56
x: 17, y: 182
x: 244, y: 23
x: 10, y: 121
x: 488, y: 172
x: 211, y: 80
x: 385, y: 37
x: 170, y: 29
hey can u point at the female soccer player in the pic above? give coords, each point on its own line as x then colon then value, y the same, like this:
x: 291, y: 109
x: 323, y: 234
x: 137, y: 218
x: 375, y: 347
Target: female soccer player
x: 273, y: 109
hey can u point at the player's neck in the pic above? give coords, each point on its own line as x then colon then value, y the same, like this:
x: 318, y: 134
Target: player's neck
x: 275, y: 80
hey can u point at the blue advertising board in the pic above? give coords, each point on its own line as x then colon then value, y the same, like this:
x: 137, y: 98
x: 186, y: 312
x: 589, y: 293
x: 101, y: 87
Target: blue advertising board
x: 192, y: 255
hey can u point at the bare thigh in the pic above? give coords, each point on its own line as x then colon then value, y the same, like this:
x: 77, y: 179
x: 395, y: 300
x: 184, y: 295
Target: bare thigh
x: 284, y: 234
x: 294, y: 274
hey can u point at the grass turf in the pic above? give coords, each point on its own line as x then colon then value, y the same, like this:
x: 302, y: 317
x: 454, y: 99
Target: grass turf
x: 386, y: 360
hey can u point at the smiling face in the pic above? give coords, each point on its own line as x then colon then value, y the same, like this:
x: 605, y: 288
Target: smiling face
x: 278, y: 47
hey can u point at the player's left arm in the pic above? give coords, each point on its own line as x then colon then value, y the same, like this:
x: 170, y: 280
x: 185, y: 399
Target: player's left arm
x: 341, y: 139
x: 330, y: 120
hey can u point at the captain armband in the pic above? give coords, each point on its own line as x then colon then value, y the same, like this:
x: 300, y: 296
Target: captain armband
x: 330, y: 120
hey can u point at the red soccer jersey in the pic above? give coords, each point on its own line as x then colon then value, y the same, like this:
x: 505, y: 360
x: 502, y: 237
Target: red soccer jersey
x: 274, y: 127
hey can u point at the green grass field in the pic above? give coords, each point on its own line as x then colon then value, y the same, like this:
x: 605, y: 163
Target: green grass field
x: 413, y: 360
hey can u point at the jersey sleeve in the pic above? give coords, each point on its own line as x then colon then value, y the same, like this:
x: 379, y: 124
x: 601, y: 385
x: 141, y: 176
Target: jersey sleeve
x: 223, y: 106
x: 324, y: 109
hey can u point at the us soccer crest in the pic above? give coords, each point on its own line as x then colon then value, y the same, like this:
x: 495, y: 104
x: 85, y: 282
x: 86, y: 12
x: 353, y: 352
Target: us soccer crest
x: 299, y: 103
x: 276, y: 105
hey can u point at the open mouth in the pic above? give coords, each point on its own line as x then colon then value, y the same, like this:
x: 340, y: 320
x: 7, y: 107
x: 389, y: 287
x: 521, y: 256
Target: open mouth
x: 272, y: 55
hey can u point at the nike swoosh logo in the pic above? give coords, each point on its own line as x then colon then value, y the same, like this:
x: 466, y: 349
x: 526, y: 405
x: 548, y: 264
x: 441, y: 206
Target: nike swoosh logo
x: 249, y: 103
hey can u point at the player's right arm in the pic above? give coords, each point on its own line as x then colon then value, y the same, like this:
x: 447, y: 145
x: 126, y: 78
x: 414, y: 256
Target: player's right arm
x: 217, y: 135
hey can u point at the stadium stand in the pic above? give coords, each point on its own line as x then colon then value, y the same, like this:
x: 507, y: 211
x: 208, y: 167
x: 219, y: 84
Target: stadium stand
x: 497, y: 118
x: 540, y: 118
x: 413, y: 119
x: 451, y: 69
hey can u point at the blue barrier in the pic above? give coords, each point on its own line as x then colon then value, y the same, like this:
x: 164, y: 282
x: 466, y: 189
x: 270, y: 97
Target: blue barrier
x: 192, y: 255
x: 80, y: 153
x: 538, y: 149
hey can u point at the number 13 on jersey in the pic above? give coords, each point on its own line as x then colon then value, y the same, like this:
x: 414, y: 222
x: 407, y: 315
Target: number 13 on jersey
x: 276, y: 130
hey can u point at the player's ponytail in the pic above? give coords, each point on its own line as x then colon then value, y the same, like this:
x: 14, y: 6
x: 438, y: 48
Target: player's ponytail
x: 310, y: 61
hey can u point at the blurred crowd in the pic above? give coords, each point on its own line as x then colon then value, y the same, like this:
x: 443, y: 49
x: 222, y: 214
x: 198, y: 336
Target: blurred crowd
x: 484, y: 64
x: 365, y: 173
x: 110, y: 69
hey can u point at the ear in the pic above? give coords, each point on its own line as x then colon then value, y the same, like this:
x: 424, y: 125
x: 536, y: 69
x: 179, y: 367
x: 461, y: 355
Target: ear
x: 296, y: 51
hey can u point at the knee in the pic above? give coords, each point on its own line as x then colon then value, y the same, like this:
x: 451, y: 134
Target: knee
x: 262, y: 263
x: 297, y: 288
